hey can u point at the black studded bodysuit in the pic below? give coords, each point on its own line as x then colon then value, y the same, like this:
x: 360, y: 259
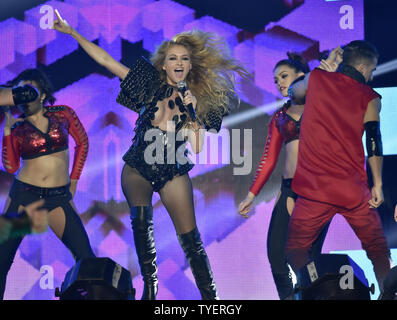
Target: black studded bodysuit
x: 140, y: 92
x: 157, y: 162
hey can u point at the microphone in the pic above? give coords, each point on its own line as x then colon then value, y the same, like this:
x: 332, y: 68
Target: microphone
x: 182, y: 88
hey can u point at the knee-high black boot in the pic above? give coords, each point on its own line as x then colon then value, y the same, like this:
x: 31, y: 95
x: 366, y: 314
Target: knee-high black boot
x: 142, y: 227
x: 197, y: 257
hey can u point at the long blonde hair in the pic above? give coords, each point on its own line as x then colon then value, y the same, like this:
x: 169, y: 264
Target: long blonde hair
x: 212, y: 78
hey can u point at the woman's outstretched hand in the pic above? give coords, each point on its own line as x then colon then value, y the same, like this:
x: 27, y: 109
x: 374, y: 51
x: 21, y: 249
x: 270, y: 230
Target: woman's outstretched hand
x: 62, y: 25
x: 245, y: 205
x: 93, y: 50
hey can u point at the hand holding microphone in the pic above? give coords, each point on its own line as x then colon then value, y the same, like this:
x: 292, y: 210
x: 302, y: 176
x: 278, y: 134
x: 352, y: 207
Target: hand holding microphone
x: 188, y: 99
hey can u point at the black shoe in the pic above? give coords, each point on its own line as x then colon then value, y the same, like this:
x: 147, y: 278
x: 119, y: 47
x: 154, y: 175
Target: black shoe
x: 197, y: 257
x: 389, y: 286
x: 142, y: 227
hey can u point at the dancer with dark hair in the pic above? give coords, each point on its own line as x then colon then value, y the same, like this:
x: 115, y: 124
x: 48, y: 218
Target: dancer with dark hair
x: 283, y: 129
x: 40, y: 137
x: 330, y: 177
x: 151, y: 90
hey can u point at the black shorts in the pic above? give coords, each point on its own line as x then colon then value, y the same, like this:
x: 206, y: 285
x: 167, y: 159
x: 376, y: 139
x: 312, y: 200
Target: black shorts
x: 22, y: 193
x: 157, y: 174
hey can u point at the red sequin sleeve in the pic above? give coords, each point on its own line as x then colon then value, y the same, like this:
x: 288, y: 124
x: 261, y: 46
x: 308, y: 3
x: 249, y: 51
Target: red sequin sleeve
x: 269, y: 158
x: 10, y: 153
x: 77, y: 131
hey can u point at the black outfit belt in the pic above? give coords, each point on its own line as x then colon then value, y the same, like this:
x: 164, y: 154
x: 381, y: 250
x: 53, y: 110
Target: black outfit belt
x: 44, y: 192
x: 286, y: 187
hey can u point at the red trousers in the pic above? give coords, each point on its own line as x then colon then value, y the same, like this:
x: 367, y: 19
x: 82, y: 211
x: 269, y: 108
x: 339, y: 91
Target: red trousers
x: 308, y: 219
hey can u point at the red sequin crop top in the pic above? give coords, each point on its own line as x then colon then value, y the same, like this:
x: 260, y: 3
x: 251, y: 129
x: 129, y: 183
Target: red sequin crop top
x: 28, y: 142
x: 282, y: 128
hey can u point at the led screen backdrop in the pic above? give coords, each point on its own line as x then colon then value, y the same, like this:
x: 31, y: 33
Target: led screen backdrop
x: 128, y: 29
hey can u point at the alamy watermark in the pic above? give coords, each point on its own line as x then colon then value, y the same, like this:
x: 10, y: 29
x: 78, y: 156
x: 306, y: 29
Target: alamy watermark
x: 47, y: 20
x: 223, y: 147
x: 47, y: 278
x: 347, y: 19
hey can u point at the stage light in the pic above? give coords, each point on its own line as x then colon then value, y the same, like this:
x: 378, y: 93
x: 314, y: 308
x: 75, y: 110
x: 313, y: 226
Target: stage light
x: 240, y: 117
x: 332, y: 277
x: 385, y: 68
x: 96, y: 279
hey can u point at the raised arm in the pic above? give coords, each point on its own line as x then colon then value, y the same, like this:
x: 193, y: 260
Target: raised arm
x: 297, y: 90
x: 6, y: 97
x: 17, y: 95
x: 374, y: 150
x: 10, y: 152
x: 333, y: 61
x: 10, y: 148
x: 94, y: 51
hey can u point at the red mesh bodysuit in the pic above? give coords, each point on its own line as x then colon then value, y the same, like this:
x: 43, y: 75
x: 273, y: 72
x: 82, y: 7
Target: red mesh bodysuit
x: 282, y: 128
x: 28, y: 142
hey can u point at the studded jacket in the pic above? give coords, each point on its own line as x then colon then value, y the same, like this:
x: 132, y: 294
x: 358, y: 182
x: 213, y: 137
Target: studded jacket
x: 143, y: 88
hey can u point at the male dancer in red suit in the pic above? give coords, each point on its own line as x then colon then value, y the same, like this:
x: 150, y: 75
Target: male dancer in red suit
x: 330, y: 177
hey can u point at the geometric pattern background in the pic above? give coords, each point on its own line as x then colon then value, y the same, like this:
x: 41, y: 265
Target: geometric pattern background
x: 236, y: 247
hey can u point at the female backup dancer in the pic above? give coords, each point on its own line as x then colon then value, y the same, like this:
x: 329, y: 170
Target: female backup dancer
x: 152, y: 92
x: 34, y: 219
x: 40, y: 138
x: 283, y: 127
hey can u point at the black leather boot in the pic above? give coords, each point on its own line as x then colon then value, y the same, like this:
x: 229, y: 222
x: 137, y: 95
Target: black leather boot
x: 142, y: 227
x: 197, y: 257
